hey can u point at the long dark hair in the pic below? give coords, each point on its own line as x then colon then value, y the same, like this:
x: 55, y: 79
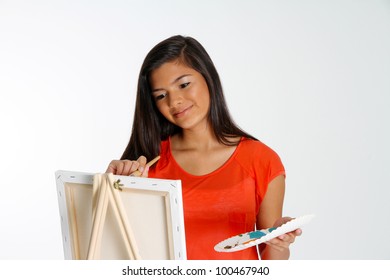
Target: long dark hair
x: 149, y: 126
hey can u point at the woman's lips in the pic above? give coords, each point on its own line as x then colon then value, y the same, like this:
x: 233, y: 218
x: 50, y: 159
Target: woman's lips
x: 182, y: 113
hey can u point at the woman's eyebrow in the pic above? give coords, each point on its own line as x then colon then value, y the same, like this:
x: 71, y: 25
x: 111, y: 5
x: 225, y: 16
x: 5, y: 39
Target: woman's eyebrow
x: 174, y: 81
x: 180, y: 77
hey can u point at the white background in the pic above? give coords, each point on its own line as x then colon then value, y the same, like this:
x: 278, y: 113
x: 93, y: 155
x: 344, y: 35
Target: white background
x: 308, y: 78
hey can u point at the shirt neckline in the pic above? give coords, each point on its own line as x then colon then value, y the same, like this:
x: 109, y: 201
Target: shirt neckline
x: 219, y: 169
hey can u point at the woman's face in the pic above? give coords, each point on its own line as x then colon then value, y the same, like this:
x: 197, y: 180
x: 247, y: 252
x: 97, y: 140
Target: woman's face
x: 181, y: 95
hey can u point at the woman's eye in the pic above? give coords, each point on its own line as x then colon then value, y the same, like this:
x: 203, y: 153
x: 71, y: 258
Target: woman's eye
x: 184, y: 85
x: 160, y: 96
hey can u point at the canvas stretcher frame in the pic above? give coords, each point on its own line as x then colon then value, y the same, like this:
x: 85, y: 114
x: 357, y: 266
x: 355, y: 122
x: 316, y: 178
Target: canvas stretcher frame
x: 154, y: 209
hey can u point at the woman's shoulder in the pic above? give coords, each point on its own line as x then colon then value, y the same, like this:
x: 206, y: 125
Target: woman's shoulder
x: 255, y: 156
x: 256, y: 152
x: 253, y: 146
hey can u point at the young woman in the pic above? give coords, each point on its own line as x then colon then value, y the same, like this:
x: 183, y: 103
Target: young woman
x: 231, y: 182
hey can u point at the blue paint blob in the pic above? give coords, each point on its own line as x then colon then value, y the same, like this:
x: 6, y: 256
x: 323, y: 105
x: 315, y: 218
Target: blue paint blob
x: 272, y: 229
x: 260, y: 233
x: 256, y: 234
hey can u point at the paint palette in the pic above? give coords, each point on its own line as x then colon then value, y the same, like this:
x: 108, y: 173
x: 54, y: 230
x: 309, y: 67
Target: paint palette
x: 249, y: 239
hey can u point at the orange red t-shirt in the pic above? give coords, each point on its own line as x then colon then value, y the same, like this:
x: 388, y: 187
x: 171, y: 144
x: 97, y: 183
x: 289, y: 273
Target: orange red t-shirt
x: 224, y: 202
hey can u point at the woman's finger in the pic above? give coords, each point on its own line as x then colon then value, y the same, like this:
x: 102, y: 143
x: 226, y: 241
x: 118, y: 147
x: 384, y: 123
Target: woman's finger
x: 126, y: 167
x: 142, y: 162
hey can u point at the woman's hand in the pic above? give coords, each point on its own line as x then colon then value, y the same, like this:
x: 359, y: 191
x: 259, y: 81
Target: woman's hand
x: 127, y: 167
x: 283, y: 241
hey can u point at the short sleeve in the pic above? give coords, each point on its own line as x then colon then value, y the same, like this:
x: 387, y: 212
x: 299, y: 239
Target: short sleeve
x: 267, y: 166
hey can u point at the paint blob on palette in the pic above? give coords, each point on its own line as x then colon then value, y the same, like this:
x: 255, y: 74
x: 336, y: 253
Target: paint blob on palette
x: 249, y: 239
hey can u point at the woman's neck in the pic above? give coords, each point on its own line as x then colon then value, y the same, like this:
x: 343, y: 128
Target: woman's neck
x: 199, y: 153
x: 195, y: 140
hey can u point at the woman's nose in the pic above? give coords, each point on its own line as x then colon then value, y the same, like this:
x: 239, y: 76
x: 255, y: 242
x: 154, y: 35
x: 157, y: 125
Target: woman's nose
x: 175, y: 99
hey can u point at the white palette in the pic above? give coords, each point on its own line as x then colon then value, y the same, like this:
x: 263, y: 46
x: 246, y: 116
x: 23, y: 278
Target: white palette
x: 249, y: 239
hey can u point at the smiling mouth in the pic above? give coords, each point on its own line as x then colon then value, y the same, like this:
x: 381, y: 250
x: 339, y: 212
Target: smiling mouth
x: 182, y: 113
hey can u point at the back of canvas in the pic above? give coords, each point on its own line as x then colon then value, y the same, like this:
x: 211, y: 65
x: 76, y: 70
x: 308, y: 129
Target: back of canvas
x: 153, y: 208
